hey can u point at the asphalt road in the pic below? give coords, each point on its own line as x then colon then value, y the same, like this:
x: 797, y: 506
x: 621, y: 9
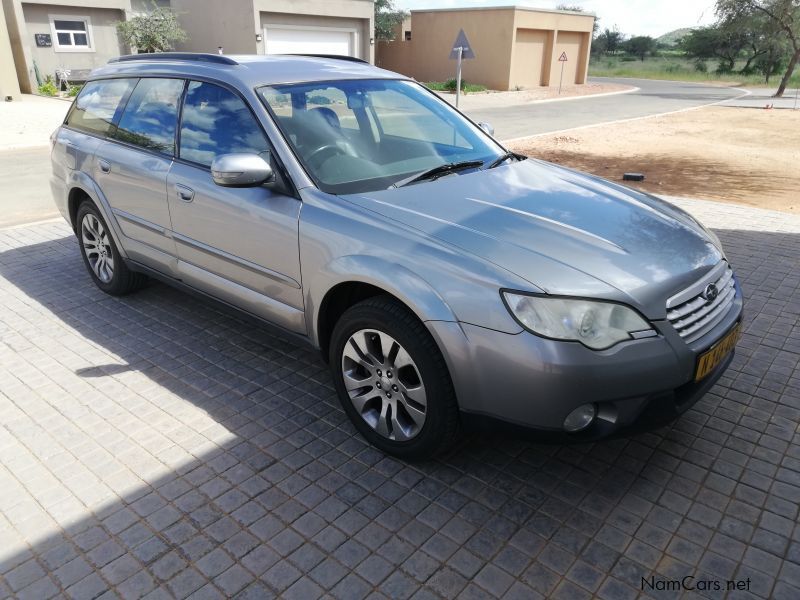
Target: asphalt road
x: 653, y: 97
x: 25, y: 192
x: 24, y: 186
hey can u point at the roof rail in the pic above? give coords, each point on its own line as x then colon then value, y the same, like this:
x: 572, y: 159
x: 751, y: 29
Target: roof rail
x: 190, y: 56
x: 333, y: 56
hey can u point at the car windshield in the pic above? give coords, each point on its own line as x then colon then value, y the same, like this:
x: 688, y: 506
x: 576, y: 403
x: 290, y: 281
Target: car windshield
x: 363, y: 135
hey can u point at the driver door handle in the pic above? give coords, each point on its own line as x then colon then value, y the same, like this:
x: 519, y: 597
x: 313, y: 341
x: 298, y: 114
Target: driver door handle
x: 184, y: 193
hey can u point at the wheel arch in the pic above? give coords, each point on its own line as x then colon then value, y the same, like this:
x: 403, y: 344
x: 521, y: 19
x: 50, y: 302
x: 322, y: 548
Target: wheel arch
x: 352, y: 279
x: 81, y: 188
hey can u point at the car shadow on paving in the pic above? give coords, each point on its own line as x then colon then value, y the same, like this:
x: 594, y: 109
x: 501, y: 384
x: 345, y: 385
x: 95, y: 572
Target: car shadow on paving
x: 290, y: 501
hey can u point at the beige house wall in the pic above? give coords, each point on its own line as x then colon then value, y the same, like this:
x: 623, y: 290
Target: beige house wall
x: 514, y: 47
x: 235, y: 24
x: 9, y: 82
x: 103, y: 33
x: 210, y: 24
x: 24, y: 18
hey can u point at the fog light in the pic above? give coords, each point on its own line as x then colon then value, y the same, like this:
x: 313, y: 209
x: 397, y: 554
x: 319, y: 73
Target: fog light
x: 580, y: 418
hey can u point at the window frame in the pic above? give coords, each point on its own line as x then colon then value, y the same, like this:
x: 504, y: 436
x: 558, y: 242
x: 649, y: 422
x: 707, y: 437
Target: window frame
x: 57, y: 47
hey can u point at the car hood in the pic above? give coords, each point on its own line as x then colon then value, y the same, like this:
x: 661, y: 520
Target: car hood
x: 564, y: 232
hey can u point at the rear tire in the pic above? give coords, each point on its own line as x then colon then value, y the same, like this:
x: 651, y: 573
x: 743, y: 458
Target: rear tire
x: 392, y: 380
x: 101, y: 256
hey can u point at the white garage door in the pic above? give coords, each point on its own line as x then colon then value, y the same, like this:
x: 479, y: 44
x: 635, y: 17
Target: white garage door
x: 284, y: 40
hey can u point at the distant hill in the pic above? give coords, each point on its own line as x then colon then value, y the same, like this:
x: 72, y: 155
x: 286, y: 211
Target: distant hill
x: 671, y: 38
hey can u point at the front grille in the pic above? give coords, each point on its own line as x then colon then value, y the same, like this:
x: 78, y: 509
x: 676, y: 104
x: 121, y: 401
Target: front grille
x: 692, y: 314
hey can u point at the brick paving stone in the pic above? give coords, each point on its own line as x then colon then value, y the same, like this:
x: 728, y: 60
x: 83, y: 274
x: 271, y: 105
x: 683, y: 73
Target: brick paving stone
x: 155, y: 445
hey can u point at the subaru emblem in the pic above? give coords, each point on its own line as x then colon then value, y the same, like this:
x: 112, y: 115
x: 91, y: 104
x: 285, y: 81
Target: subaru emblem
x: 711, y: 292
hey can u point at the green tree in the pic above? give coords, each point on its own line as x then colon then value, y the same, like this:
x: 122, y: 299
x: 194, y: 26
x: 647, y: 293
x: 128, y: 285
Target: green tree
x: 610, y: 40
x: 784, y: 15
x: 154, y: 31
x: 640, y: 46
x: 387, y: 17
x: 723, y: 43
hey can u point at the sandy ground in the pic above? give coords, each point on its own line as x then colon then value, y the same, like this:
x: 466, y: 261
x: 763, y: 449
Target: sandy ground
x: 492, y: 99
x: 744, y: 155
x: 28, y: 123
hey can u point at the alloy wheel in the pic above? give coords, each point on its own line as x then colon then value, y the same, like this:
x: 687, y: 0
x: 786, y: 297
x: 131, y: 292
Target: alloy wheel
x: 97, y: 246
x: 384, y: 384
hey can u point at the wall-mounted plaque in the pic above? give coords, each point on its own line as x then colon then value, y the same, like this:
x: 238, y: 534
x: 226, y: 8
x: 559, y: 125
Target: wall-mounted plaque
x: 43, y: 40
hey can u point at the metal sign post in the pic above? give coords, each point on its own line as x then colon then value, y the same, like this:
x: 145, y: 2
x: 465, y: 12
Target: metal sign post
x: 562, y: 59
x: 461, y: 51
x: 458, y: 74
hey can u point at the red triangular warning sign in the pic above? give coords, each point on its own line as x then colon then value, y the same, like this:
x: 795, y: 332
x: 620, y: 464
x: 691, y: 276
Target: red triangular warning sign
x: 563, y: 57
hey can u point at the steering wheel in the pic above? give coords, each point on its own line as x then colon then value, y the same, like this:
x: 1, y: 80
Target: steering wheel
x: 324, y: 152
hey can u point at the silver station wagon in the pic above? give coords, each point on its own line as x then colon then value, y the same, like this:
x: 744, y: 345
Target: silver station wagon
x: 448, y: 282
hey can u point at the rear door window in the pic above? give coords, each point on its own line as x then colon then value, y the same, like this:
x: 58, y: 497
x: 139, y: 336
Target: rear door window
x: 151, y: 115
x: 216, y: 121
x: 99, y: 105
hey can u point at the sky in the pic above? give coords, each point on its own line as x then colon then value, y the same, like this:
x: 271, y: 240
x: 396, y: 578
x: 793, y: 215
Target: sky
x: 633, y: 17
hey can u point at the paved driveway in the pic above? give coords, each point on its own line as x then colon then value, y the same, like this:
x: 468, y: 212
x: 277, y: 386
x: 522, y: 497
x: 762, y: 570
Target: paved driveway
x: 652, y: 98
x: 154, y: 445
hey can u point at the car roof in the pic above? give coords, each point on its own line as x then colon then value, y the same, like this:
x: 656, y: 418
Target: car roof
x: 245, y: 70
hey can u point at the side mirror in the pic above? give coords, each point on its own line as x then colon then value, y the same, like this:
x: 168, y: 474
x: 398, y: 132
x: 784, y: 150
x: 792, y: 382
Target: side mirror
x: 487, y: 127
x: 241, y: 170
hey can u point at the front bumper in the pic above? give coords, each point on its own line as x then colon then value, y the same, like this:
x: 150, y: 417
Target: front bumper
x: 534, y: 383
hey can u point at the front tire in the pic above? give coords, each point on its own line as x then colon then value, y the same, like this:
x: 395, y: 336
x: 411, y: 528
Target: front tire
x: 101, y: 256
x: 392, y: 380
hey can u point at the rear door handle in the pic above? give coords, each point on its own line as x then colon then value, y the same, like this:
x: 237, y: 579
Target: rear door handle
x: 184, y: 193
x: 105, y: 166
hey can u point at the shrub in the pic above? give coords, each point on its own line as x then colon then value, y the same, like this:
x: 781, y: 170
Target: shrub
x: 48, y: 88
x: 450, y: 86
x: 700, y: 66
x: 74, y: 90
x: 628, y: 59
x: 673, y: 68
x: 320, y: 100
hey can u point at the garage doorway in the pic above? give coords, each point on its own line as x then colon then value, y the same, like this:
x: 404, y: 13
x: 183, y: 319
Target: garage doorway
x: 302, y: 39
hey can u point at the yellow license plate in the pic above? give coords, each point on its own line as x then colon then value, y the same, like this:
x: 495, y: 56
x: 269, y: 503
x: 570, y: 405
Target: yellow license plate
x: 709, y: 360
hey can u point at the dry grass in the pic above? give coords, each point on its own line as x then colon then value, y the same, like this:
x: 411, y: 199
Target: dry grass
x: 742, y: 155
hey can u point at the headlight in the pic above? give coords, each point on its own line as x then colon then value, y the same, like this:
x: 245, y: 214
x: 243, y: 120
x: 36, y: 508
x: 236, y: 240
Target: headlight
x: 597, y: 325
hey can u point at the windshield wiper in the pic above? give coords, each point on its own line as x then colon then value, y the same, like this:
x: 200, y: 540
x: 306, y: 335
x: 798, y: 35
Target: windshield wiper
x: 504, y: 157
x: 436, y: 172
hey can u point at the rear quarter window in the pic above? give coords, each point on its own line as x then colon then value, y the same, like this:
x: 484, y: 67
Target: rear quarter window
x: 99, y: 105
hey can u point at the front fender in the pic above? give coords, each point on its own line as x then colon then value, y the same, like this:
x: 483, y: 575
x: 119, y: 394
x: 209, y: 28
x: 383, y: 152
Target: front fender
x: 408, y: 287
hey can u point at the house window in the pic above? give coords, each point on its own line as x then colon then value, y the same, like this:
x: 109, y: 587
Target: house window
x: 72, y: 34
x: 408, y: 36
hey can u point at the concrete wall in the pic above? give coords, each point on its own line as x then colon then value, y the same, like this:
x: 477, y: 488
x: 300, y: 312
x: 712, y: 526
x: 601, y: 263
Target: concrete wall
x: 514, y: 47
x: 212, y: 23
x: 103, y: 34
x: 29, y: 17
x: 9, y: 84
x: 531, y: 63
x: 568, y: 32
x: 235, y: 24
x: 432, y: 37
